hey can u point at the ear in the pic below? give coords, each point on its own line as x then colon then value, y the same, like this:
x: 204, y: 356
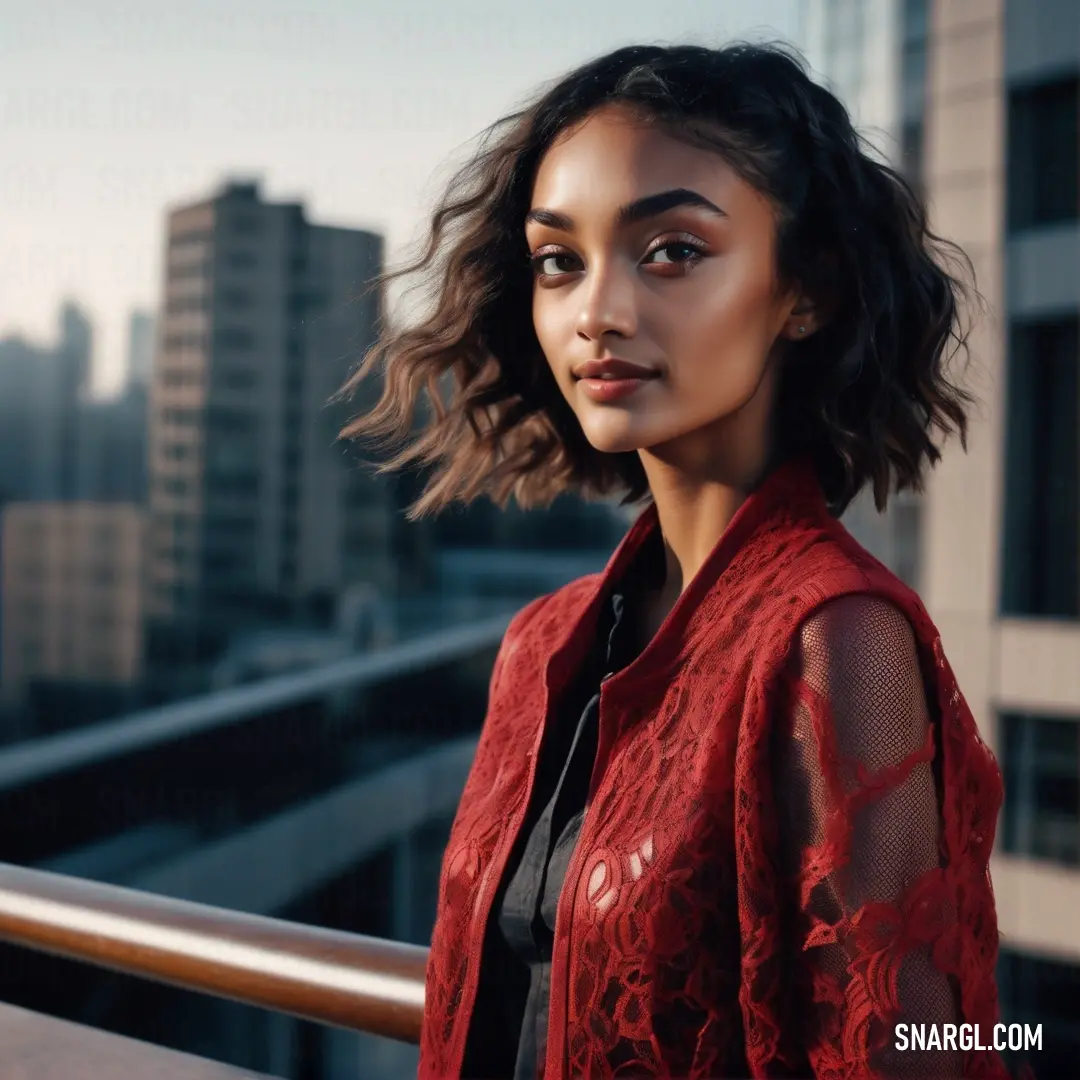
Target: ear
x: 802, y: 321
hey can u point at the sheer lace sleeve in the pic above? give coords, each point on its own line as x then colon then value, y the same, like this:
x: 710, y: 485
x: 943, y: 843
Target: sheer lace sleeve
x: 861, y: 820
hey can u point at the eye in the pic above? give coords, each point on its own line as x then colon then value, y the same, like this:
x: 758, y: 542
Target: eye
x: 551, y: 262
x: 681, y: 253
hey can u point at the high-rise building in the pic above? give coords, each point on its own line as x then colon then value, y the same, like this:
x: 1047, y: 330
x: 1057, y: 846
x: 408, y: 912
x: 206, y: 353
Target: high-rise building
x: 140, y: 349
x: 71, y: 580
x: 1001, y: 552
x: 111, y: 465
x: 74, y: 359
x: 254, y: 505
x: 112, y: 433
x: 41, y: 389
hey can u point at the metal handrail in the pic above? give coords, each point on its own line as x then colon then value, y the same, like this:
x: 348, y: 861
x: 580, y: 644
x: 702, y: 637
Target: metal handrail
x: 345, y: 980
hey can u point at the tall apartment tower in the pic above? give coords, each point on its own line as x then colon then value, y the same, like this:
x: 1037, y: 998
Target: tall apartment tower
x: 1001, y: 567
x: 872, y: 54
x: 41, y: 391
x: 254, y: 508
x: 140, y: 349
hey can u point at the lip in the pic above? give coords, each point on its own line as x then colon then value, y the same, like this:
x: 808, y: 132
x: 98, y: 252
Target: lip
x: 611, y: 389
x: 612, y: 368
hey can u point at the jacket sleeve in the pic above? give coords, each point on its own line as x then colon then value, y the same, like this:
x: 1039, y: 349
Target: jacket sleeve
x: 891, y: 913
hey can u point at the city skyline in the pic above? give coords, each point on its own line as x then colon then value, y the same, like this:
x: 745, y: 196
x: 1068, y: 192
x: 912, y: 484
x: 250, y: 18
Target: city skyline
x: 112, y: 117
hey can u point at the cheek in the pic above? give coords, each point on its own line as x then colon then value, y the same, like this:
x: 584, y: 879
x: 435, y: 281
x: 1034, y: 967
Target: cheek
x: 544, y: 317
x: 724, y: 329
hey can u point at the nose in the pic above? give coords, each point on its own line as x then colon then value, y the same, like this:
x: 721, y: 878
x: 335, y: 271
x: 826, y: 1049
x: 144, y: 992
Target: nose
x: 608, y: 304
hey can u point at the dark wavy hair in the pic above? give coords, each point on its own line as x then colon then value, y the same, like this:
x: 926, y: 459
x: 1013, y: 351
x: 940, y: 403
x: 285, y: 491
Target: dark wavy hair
x: 863, y: 397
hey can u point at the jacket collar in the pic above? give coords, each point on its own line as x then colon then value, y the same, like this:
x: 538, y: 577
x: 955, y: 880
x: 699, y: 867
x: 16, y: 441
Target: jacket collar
x: 791, y: 488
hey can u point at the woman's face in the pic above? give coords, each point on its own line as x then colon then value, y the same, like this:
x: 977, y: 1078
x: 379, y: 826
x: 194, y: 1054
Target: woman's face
x: 655, y: 253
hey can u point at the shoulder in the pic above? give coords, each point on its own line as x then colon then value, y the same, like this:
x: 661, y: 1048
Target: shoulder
x: 854, y: 630
x: 860, y: 654
x: 818, y: 589
x: 541, y: 620
x: 798, y: 563
x: 549, y: 612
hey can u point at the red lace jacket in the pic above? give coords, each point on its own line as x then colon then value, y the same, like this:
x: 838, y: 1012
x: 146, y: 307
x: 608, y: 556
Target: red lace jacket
x: 785, y: 847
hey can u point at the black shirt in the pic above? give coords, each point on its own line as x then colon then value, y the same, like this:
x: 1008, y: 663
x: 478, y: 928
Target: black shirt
x: 507, y: 1036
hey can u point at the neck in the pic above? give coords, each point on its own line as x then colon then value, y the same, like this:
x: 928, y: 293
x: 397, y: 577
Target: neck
x: 693, y: 517
x: 699, y: 485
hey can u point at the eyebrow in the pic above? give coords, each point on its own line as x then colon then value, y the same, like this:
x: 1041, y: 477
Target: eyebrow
x: 638, y: 210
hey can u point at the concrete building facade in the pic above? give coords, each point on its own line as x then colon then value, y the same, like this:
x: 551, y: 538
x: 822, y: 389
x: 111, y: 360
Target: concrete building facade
x: 1000, y: 549
x: 253, y: 504
x: 71, y: 577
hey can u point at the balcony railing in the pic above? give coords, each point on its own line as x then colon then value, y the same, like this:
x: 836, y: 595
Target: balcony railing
x: 344, y: 980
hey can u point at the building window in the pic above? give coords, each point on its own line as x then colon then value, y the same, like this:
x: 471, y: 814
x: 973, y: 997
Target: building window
x: 237, y: 299
x: 1044, y: 154
x: 235, y: 338
x: 175, y: 378
x: 1040, y: 571
x: 180, y: 417
x: 1042, y: 787
x: 185, y: 342
x: 221, y: 420
x: 239, y: 378
x: 169, y: 552
x: 174, y: 485
x: 243, y: 529
x: 185, y: 237
x: 232, y: 485
x: 226, y: 570
x: 177, y: 451
x: 180, y: 524
x: 245, y: 225
x: 1034, y: 990
x: 183, y: 271
x: 183, y: 305
x: 241, y: 260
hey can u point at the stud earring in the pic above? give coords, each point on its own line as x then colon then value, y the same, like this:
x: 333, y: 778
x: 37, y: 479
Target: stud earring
x: 802, y: 329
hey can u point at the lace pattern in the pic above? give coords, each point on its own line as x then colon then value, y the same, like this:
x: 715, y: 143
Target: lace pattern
x: 861, y: 824
x: 786, y: 850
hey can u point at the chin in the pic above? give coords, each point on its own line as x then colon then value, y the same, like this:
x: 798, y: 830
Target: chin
x: 620, y: 432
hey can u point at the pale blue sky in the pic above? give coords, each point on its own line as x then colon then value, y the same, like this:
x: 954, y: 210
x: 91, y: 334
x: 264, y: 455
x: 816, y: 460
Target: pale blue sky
x: 111, y: 111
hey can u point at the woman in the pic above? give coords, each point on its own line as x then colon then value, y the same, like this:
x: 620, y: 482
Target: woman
x: 729, y: 814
